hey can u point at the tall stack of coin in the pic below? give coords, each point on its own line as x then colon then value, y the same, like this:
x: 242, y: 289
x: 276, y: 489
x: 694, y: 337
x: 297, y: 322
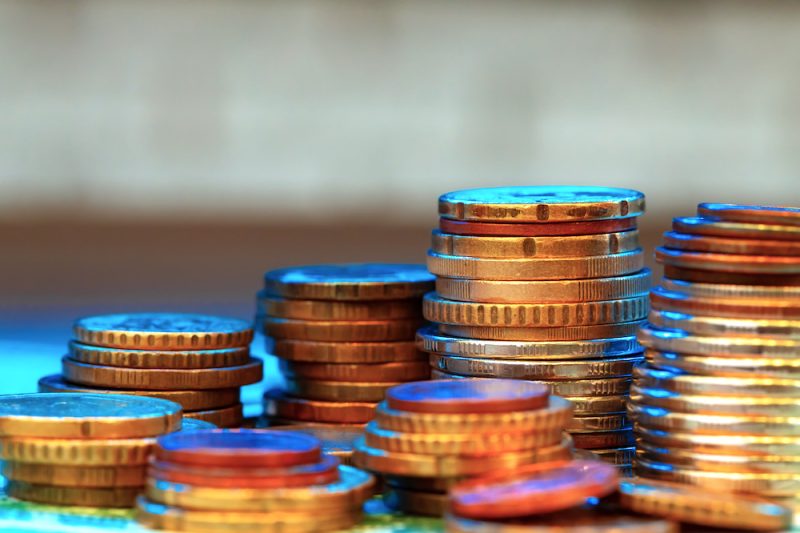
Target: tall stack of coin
x: 344, y: 334
x: 431, y: 434
x: 544, y: 284
x: 718, y: 403
x: 80, y: 449
x: 197, y: 361
x: 250, y: 480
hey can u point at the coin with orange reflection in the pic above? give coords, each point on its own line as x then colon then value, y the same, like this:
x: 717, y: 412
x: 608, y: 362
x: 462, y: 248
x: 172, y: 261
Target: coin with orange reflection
x: 535, y: 229
x: 461, y: 396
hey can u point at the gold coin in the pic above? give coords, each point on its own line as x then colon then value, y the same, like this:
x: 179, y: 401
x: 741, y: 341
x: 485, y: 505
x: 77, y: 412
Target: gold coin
x: 750, y: 367
x: 420, y: 465
x: 600, y: 266
x: 415, y: 502
x: 680, y: 341
x: 569, y: 388
x: 720, y: 290
x: 437, y: 309
x: 617, y: 456
x: 341, y: 331
x: 550, y: 418
x: 726, y: 262
x: 227, y: 417
x: 430, y: 340
x: 88, y: 497
x: 660, y: 418
x: 572, y: 521
x: 716, y: 405
x: 718, y: 462
x: 598, y: 422
x: 647, y: 376
x: 346, y: 352
x: 595, y: 405
x: 541, y: 204
x: 163, y: 379
x: 337, y: 391
x: 543, y: 292
x: 687, y: 504
x: 592, y: 440
x: 721, y: 444
x: 340, y: 310
x: 764, y: 329
x: 190, y: 400
x: 350, y: 492
x: 536, y: 370
x: 76, y: 452
x: 379, y: 372
x: 515, y: 247
x: 76, y: 476
x: 163, y: 331
x: 563, y: 333
x: 97, y: 355
x: 750, y: 309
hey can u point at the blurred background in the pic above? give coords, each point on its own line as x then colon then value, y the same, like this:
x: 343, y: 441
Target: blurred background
x: 162, y: 155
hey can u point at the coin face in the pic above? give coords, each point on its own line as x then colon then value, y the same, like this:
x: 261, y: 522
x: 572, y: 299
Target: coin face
x: 468, y: 396
x: 763, y: 214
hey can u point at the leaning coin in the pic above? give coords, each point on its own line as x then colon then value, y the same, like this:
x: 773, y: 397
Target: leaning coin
x: 716, y: 405
x: 758, y: 214
x: 536, y: 370
x: 724, y: 245
x: 744, y: 230
x: 76, y: 476
x: 740, y: 264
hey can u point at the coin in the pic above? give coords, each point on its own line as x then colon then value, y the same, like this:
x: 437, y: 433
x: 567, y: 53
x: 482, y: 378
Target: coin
x: 718, y: 290
x: 97, y: 355
x: 660, y: 418
x: 716, y: 405
x: 671, y: 340
x: 162, y: 379
x: 723, y: 245
x: 533, y: 489
x: 551, y: 417
x: 379, y: 372
x: 415, y: 502
x: 552, y: 229
x: 697, y: 506
x: 764, y: 329
x: 238, y: 448
x: 600, y: 266
x: 617, y: 438
x: 743, y: 230
x: 671, y: 301
x: 467, y: 396
x: 536, y: 370
x: 353, y: 488
x: 754, y: 445
x: 759, y: 214
x: 83, y: 496
x: 594, y: 405
x: 740, y: 264
x: 163, y: 331
x: 420, y: 465
x: 368, y: 281
x: 341, y: 331
x: 568, y: 388
x: 437, y: 309
x: 730, y: 278
x: 76, y: 476
x: 571, y: 521
x: 346, y: 352
x: 190, y: 400
x: 562, y: 333
x: 541, y: 204
x: 430, y: 340
x: 76, y: 452
x: 68, y: 415
x: 616, y: 456
x: 648, y: 376
x: 337, y: 391
x: 751, y: 367
x: 543, y: 292
x: 226, y: 417
x: 598, y: 422
x: 718, y: 462
x: 340, y: 310
x: 276, y: 404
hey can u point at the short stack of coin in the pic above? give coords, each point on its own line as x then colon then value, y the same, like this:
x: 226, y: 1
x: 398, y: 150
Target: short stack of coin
x: 718, y: 403
x: 343, y: 334
x: 80, y: 449
x: 431, y: 434
x: 250, y: 480
x: 197, y: 361
x: 544, y: 284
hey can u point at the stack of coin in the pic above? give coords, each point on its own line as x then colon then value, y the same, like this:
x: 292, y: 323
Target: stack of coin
x: 80, y: 449
x: 429, y: 435
x: 718, y: 403
x: 250, y: 480
x: 199, y: 362
x: 544, y: 284
x: 343, y: 335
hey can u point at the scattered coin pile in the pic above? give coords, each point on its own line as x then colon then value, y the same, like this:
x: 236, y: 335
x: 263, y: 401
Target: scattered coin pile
x: 199, y: 362
x: 343, y: 334
x: 718, y: 403
x: 586, y: 497
x: 250, y: 480
x: 543, y: 284
x: 429, y: 435
x: 80, y: 449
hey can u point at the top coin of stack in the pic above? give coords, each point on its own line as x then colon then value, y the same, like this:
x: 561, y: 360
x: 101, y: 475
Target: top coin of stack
x: 197, y: 361
x: 343, y: 334
x: 544, y: 284
x: 718, y: 402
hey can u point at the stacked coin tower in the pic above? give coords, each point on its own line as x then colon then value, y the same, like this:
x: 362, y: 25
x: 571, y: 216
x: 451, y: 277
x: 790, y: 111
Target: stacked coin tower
x: 343, y: 334
x: 197, y: 361
x: 429, y: 435
x: 80, y: 449
x: 250, y: 480
x: 717, y: 403
x: 544, y: 284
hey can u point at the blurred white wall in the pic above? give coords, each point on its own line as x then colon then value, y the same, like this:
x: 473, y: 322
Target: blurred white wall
x: 328, y: 107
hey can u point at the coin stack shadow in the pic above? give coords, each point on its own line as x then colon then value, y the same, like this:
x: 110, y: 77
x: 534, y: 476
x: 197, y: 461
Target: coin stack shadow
x: 343, y: 335
x: 250, y: 480
x: 544, y: 284
x: 717, y: 403
x: 428, y: 436
x: 199, y: 362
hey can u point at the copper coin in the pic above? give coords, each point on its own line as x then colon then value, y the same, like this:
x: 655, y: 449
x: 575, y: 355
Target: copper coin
x: 737, y: 230
x: 664, y: 300
x: 739, y: 264
x: 321, y: 473
x: 277, y: 404
x: 468, y: 396
x: 723, y: 245
x: 226, y: 417
x: 346, y: 352
x: 759, y: 214
x: 731, y: 278
x: 533, y: 489
x: 238, y: 448
x: 382, y: 372
x: 534, y: 229
x: 592, y: 440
